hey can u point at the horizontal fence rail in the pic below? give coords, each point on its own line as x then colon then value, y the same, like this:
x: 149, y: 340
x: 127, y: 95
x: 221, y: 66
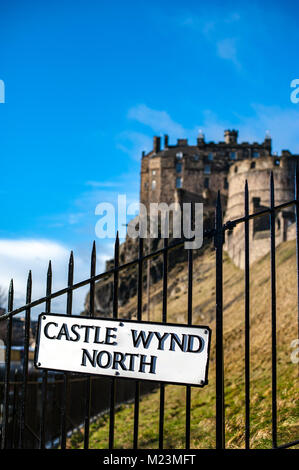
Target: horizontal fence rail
x: 26, y: 424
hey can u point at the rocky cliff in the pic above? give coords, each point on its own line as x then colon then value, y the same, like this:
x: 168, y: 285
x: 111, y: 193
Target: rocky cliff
x: 127, y: 286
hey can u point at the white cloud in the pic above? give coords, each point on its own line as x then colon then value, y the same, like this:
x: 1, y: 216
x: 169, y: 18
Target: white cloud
x: 18, y: 256
x: 159, y: 121
x: 283, y: 124
x: 226, y: 49
x: 75, y: 218
x: 217, y: 32
x: 102, y: 184
x: 133, y: 143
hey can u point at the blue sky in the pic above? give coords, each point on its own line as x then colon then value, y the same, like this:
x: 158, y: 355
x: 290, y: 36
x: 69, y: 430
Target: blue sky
x: 87, y: 85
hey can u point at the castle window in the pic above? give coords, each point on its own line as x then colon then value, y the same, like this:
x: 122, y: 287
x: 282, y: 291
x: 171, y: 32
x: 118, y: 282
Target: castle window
x: 207, y: 170
x: 232, y: 155
x: 277, y: 162
x: 178, y: 183
x: 196, y: 158
x: 153, y: 172
x: 210, y: 157
x: 154, y: 183
x: 179, y: 155
x: 236, y: 169
x: 225, y: 183
x: 252, y: 165
x: 178, y: 167
x: 206, y: 183
x: 255, y: 154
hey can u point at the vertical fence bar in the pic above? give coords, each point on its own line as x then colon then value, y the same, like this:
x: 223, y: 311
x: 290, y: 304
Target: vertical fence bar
x: 45, y: 373
x: 14, y: 409
x: 88, y: 379
x: 218, y: 242
x: 148, y: 279
x: 247, y: 323
x: 273, y: 315
x: 64, y: 403
x: 7, y: 369
x: 115, y: 315
x: 297, y: 236
x: 25, y: 362
x: 189, y: 320
x: 164, y: 320
x: 139, y: 318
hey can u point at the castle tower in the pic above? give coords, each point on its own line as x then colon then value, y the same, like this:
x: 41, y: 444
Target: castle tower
x: 257, y: 173
x: 230, y: 137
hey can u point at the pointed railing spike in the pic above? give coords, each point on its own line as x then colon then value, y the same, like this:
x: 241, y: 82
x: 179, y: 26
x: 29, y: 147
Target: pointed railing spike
x: 93, y: 259
x: 70, y: 280
x: 10, y: 295
x: 29, y: 287
x: 246, y: 187
x: 272, y: 190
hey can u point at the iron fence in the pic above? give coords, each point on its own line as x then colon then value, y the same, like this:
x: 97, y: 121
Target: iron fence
x: 16, y: 395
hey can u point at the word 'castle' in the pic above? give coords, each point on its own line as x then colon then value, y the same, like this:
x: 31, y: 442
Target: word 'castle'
x: 185, y: 173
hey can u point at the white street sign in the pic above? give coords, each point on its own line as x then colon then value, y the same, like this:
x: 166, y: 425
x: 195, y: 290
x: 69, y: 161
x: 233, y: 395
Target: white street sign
x: 159, y: 352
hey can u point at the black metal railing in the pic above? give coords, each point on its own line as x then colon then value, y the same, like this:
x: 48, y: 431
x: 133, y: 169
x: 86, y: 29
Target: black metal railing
x: 20, y: 421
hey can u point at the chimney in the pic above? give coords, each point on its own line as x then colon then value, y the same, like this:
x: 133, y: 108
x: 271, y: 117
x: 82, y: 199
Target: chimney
x: 200, y: 138
x: 230, y: 137
x: 157, y: 144
x: 268, y: 142
x: 165, y: 141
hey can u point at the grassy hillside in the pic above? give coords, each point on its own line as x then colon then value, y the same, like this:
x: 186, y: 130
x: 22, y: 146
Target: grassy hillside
x: 203, y: 400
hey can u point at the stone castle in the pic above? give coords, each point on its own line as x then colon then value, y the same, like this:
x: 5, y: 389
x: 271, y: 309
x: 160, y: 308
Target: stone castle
x: 195, y: 173
x: 184, y: 173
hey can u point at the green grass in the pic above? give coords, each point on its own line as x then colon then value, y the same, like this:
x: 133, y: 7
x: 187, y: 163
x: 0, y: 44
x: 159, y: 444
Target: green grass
x: 203, y: 400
